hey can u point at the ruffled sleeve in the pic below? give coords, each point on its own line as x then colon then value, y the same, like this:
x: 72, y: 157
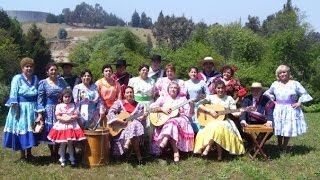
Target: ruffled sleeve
x: 41, y: 96
x: 270, y: 91
x: 113, y: 111
x: 13, y: 98
x: 158, y: 103
x: 301, y: 91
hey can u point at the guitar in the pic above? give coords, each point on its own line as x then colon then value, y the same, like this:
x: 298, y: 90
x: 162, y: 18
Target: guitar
x: 206, y: 117
x: 159, y: 118
x: 115, y: 128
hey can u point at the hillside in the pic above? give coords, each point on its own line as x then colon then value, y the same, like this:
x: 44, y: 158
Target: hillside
x: 60, y: 49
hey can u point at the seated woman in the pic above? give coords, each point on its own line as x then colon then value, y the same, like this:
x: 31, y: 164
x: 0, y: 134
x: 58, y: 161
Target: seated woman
x: 133, y: 130
x: 224, y: 134
x: 176, y: 130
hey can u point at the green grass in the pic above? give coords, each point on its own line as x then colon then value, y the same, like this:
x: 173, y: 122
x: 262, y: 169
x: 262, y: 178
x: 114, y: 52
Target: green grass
x: 303, y: 162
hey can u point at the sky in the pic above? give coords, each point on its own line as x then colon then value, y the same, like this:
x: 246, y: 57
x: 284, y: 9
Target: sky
x: 209, y: 11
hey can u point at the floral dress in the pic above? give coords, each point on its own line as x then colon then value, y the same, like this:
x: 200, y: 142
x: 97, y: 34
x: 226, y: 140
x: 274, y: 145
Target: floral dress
x: 17, y: 133
x: 134, y: 128
x: 48, y: 96
x: 288, y: 121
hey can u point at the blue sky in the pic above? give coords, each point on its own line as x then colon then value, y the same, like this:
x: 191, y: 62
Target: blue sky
x: 209, y: 11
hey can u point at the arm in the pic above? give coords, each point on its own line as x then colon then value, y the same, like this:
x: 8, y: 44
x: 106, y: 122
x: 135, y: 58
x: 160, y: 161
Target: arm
x: 304, y: 96
x: 13, y: 98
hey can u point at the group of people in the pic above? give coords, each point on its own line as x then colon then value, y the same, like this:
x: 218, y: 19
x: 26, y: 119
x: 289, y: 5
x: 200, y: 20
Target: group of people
x: 67, y: 105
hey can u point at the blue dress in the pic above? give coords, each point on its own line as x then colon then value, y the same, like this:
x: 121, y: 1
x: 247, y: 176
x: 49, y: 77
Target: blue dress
x: 288, y: 122
x: 195, y: 89
x: 18, y: 134
x: 48, y: 97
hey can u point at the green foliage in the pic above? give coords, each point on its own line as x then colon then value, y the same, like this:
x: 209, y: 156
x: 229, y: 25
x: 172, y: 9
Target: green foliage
x: 51, y: 18
x: 313, y: 108
x: 145, y: 22
x: 62, y: 33
x: 4, y: 20
x: 135, y: 19
x: 37, y: 49
x: 108, y: 46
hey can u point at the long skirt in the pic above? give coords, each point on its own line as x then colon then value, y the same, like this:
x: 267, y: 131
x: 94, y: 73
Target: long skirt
x: 224, y: 133
x: 134, y: 129
x: 179, y: 129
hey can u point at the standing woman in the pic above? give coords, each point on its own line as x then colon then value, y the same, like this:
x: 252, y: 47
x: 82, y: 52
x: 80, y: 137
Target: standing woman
x: 131, y: 134
x: 87, y: 100
x: 18, y: 133
x: 177, y: 131
x: 163, y: 83
x: 109, y: 89
x: 195, y: 89
x: 143, y: 86
x: 48, y: 95
x: 233, y: 85
x: 288, y: 117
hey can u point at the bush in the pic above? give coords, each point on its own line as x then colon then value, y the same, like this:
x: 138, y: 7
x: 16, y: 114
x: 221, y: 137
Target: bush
x: 62, y: 33
x: 312, y: 108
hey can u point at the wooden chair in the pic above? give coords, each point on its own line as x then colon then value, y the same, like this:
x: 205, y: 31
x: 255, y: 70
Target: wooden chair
x: 254, y: 131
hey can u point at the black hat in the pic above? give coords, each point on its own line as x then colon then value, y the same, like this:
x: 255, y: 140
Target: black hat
x: 156, y: 57
x: 121, y: 62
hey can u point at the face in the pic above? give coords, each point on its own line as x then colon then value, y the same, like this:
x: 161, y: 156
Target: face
x: 121, y: 69
x: 283, y: 75
x: 226, y: 74
x: 208, y: 66
x: 27, y: 69
x: 256, y: 92
x: 173, y: 90
x: 52, y: 71
x: 128, y: 94
x: 107, y: 72
x: 170, y: 74
x: 193, y: 74
x: 86, y: 78
x: 220, y: 89
x: 144, y: 73
x: 155, y: 64
x: 66, y: 98
x: 67, y: 69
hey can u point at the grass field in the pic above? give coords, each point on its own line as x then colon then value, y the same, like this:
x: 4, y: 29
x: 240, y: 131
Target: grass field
x: 302, y: 162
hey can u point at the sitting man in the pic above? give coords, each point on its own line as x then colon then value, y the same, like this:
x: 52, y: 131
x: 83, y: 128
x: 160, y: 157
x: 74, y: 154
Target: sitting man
x: 264, y: 110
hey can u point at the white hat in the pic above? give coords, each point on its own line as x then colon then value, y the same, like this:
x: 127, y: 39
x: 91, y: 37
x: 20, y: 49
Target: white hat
x: 256, y: 85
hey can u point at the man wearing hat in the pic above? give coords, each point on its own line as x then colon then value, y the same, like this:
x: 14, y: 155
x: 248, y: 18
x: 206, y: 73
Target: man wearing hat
x: 155, y: 70
x: 264, y: 107
x: 208, y: 74
x: 121, y: 75
x: 67, y: 67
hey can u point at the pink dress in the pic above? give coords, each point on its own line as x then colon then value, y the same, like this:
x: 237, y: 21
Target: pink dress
x: 64, y: 132
x: 163, y: 83
x: 178, y: 128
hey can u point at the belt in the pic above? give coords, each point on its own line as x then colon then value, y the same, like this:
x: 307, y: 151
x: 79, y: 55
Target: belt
x: 142, y: 98
x: 285, y: 101
x: 27, y: 99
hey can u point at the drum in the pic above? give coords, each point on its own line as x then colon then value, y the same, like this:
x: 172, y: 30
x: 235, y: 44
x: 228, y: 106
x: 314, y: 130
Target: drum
x: 97, y: 145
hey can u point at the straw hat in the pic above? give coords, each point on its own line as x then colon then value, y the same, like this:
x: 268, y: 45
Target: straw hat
x: 256, y: 85
x: 210, y: 60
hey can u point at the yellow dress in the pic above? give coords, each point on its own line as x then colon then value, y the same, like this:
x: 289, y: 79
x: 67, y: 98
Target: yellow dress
x: 224, y: 133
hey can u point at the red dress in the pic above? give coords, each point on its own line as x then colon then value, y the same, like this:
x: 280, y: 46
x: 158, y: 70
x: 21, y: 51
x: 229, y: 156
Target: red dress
x: 64, y: 132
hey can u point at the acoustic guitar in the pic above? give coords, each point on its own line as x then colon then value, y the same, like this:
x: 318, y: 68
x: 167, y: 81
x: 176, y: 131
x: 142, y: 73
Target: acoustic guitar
x: 159, y: 118
x: 115, y: 128
x: 205, y: 117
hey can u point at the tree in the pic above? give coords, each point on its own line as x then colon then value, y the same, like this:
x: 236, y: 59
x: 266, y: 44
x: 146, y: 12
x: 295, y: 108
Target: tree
x: 62, y: 33
x: 149, y: 43
x: 200, y: 33
x: 135, y: 20
x: 253, y: 24
x: 146, y: 22
x: 158, y: 29
x: 37, y: 49
x: 4, y: 20
x: 51, y: 18
x: 60, y: 18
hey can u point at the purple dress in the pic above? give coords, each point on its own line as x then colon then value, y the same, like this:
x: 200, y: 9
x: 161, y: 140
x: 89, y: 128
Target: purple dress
x: 48, y: 96
x: 178, y: 128
x: 134, y: 129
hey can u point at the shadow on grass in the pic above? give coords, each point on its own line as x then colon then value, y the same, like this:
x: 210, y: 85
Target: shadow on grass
x: 273, y: 151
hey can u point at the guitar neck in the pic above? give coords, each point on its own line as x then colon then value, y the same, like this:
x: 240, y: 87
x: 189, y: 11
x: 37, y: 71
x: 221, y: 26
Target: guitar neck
x: 181, y: 104
x: 228, y: 111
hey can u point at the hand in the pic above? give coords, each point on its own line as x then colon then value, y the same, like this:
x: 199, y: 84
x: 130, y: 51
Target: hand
x: 268, y: 124
x: 296, y: 105
x: 244, y: 124
x: 17, y: 110
x: 167, y: 111
x: 39, y: 118
x: 213, y: 113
